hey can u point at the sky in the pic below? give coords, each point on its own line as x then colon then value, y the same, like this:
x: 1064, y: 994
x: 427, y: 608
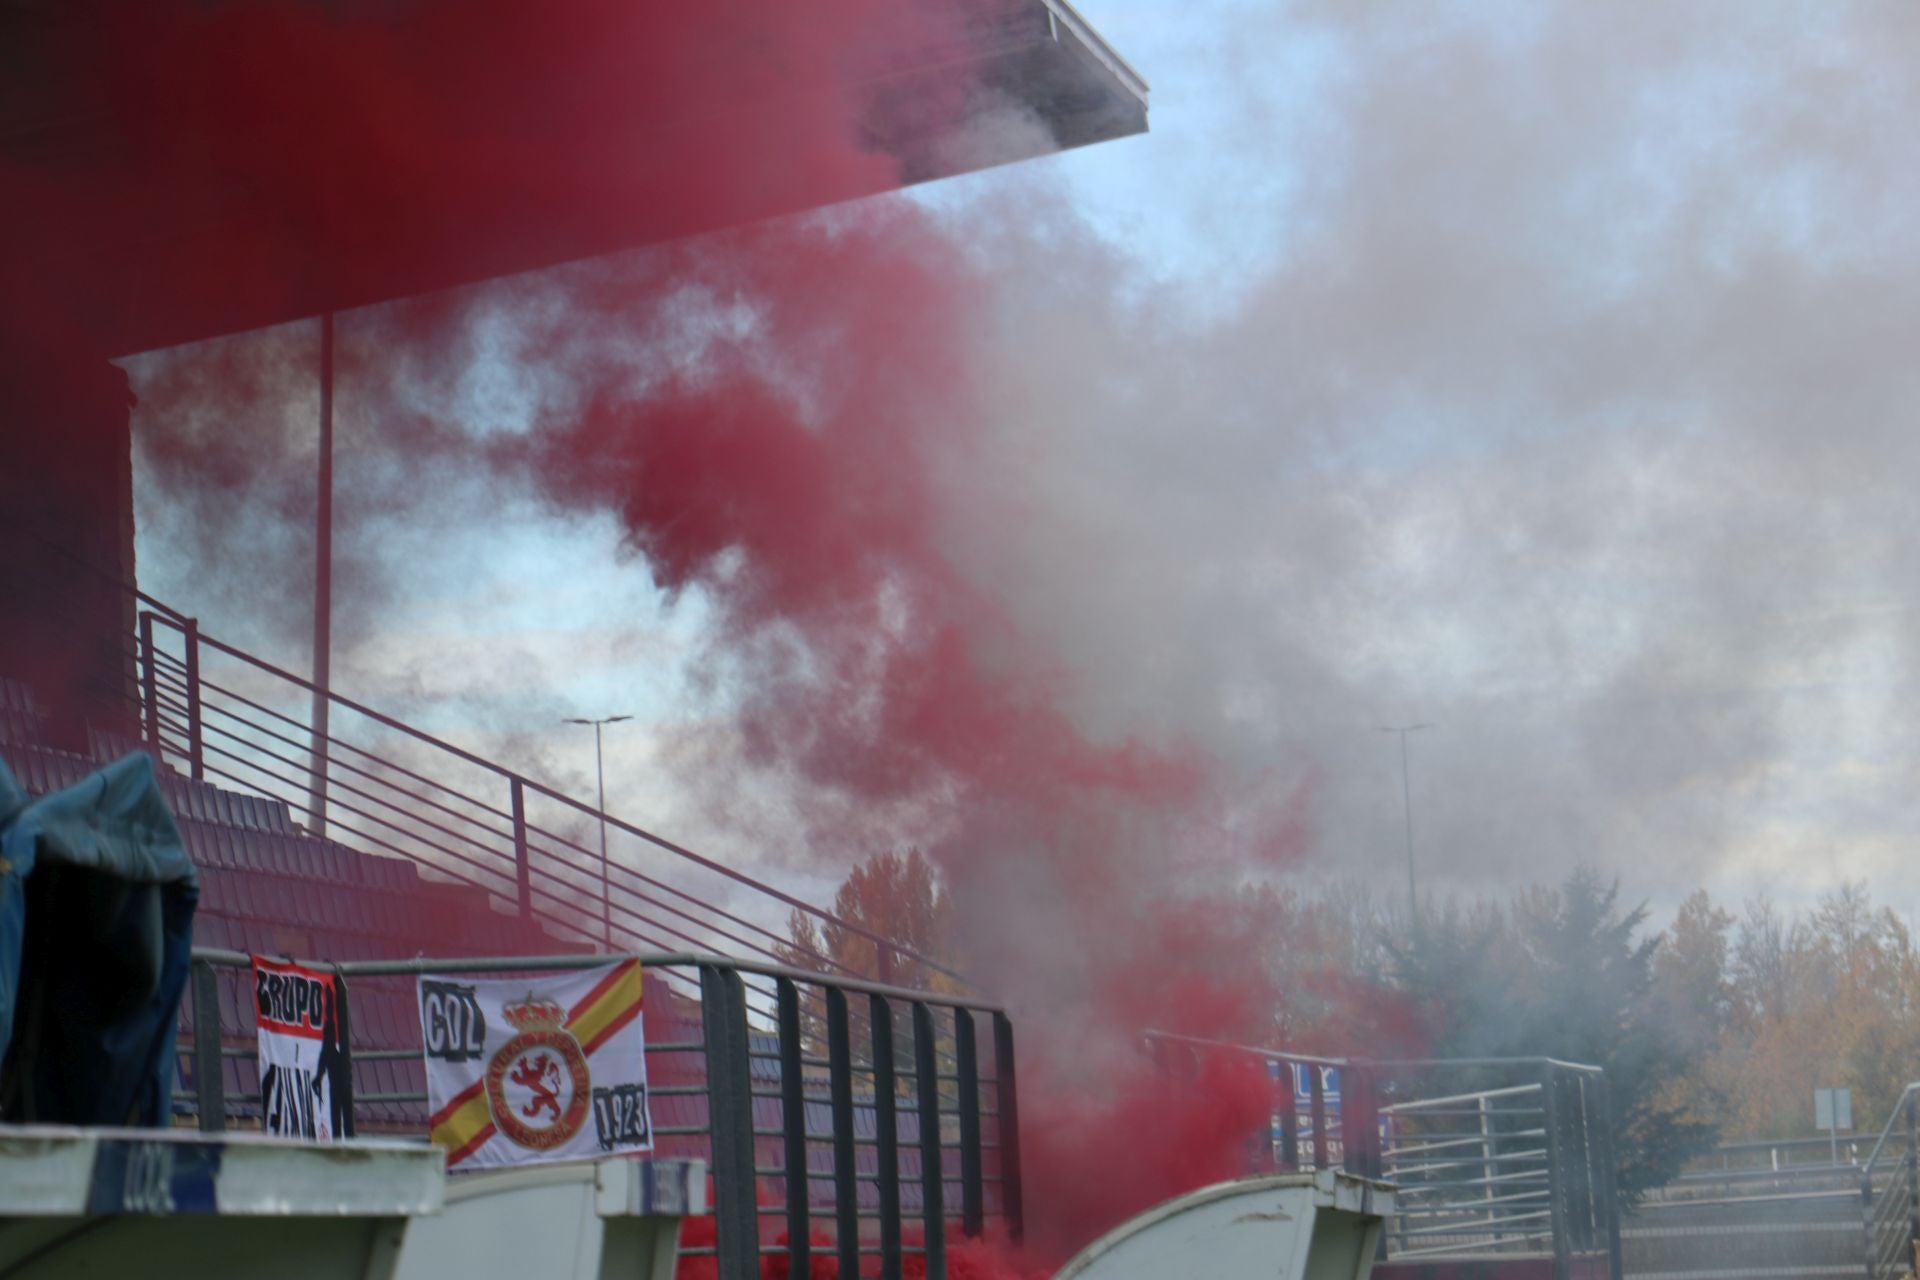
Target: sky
x: 1543, y: 372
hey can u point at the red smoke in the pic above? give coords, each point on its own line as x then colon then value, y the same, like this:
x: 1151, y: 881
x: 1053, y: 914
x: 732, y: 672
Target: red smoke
x: 807, y: 461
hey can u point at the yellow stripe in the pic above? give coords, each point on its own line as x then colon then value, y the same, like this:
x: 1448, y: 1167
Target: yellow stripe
x: 622, y: 994
x: 458, y: 1129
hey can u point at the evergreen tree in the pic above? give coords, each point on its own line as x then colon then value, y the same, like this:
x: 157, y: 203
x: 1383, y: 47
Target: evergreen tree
x: 1565, y: 974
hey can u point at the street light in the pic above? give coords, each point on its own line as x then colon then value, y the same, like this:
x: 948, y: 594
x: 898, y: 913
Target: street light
x: 1406, y: 793
x: 600, y: 772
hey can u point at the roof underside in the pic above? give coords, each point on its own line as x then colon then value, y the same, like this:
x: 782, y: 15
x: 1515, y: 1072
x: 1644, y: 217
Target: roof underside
x: 152, y: 253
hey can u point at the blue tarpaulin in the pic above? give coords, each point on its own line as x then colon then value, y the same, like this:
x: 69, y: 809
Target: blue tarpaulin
x: 96, y: 934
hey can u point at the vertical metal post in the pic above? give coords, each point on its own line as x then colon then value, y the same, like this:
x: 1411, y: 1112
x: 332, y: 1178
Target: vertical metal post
x: 522, y: 871
x: 1359, y: 1125
x: 196, y: 758
x: 1289, y: 1117
x: 343, y: 1077
x: 1913, y: 1180
x: 1556, y: 1175
x: 209, y: 1070
x: 886, y: 1134
x: 1006, y: 1090
x: 846, y: 1180
x: 966, y: 1053
x: 883, y: 963
x: 1606, y: 1175
x: 793, y: 1126
x: 1866, y: 1210
x: 1583, y: 1202
x: 1489, y: 1167
x: 322, y: 588
x: 1406, y: 794
x: 723, y: 1008
x: 1317, y: 1104
x: 933, y: 1200
x: 606, y: 889
x: 148, y: 691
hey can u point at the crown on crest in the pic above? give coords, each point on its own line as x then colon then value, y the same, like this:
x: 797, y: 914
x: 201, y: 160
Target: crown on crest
x: 535, y: 1013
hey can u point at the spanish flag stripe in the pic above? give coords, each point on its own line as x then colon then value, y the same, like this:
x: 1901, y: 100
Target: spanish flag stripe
x: 610, y: 1005
x: 474, y: 1143
x: 620, y: 1019
x: 600, y: 988
x: 465, y: 1126
x: 454, y: 1103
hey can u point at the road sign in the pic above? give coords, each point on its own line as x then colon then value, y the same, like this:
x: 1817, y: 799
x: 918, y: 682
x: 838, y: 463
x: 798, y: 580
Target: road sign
x: 1832, y: 1109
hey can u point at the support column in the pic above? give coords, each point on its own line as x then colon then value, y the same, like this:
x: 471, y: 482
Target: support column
x: 322, y: 589
x: 66, y: 529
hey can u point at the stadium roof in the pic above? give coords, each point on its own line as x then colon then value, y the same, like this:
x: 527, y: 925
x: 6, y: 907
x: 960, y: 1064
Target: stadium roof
x: 155, y: 253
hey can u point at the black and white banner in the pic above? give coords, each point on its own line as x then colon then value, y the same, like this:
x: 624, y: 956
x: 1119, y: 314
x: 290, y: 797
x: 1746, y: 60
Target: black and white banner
x: 303, y: 1060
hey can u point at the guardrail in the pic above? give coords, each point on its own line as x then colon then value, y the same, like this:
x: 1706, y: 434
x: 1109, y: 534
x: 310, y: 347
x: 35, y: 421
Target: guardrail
x: 1474, y: 1172
x: 388, y: 788
x: 217, y: 713
x: 1494, y: 1157
x: 1890, y: 1191
x: 845, y: 1118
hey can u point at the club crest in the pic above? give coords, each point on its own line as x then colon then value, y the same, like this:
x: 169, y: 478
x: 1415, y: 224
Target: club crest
x: 538, y: 1086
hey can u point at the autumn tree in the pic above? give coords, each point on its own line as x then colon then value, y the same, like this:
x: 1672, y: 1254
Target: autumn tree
x: 892, y: 896
x: 1828, y: 999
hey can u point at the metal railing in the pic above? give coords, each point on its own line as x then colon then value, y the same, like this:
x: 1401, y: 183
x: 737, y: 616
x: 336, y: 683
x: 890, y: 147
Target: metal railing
x: 219, y: 715
x: 388, y: 788
x: 1890, y: 1191
x: 1785, y: 1169
x: 1473, y: 1170
x: 858, y: 1120
x: 1493, y: 1156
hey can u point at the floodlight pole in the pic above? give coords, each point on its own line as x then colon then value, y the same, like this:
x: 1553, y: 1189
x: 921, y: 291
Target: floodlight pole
x: 1406, y: 795
x: 322, y: 589
x: 600, y: 775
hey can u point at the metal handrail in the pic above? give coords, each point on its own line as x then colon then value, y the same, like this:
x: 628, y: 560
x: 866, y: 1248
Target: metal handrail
x: 553, y: 875
x: 935, y: 1073
x: 1544, y: 1171
x: 648, y: 959
x: 1422, y: 1103
x: 1890, y: 1240
x: 586, y: 811
x: 1873, y: 1154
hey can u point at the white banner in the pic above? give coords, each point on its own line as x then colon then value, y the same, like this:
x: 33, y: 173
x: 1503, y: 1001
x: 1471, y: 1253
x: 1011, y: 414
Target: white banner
x: 553, y: 1068
x: 297, y: 1011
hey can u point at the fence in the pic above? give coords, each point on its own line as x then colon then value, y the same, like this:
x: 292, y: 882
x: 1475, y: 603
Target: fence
x: 1493, y: 1158
x: 1473, y: 1171
x: 374, y: 782
x: 845, y: 1118
x: 1890, y: 1192
x: 344, y: 770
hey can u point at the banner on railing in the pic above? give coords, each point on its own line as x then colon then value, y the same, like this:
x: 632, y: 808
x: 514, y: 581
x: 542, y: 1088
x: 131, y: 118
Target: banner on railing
x: 303, y: 1062
x: 521, y: 1071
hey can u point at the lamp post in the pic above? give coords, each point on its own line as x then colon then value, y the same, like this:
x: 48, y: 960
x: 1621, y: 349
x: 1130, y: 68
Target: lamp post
x: 600, y: 774
x: 1406, y: 794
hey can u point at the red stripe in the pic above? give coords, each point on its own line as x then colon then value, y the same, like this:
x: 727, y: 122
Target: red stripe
x: 620, y: 1020
x: 478, y: 1141
x: 458, y: 1100
x: 601, y: 988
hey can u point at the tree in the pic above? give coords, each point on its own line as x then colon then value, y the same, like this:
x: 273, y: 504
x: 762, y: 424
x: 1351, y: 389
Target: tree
x: 1566, y: 974
x: 1695, y: 990
x: 892, y: 896
x: 1594, y: 1001
x: 1690, y: 969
